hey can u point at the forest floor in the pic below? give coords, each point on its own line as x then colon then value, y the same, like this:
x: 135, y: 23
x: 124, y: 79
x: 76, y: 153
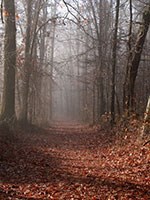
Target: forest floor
x: 74, y: 162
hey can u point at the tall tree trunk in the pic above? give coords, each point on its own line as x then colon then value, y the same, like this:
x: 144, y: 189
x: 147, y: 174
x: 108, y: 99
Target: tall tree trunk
x: 26, y: 69
x: 8, y: 103
x: 114, y: 54
x: 43, y: 60
x: 52, y: 69
x: 52, y: 46
x: 129, y: 43
x: 133, y: 64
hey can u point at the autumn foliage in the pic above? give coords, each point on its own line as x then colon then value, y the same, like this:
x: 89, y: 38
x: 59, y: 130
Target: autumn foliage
x: 75, y: 162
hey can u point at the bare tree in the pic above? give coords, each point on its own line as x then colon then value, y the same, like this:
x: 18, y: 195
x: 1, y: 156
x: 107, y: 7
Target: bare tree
x: 30, y: 43
x: 134, y: 60
x: 27, y: 66
x: 114, y: 60
x: 8, y: 103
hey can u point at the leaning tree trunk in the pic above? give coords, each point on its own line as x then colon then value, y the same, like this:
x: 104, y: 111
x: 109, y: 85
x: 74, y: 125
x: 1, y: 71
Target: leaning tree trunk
x: 8, y: 103
x: 146, y: 123
x: 133, y: 64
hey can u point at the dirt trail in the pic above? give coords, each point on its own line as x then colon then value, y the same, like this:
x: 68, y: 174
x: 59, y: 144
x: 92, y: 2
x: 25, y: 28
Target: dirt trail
x: 70, y: 162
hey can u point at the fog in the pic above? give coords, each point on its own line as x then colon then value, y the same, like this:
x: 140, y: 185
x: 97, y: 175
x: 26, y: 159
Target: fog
x: 66, y: 74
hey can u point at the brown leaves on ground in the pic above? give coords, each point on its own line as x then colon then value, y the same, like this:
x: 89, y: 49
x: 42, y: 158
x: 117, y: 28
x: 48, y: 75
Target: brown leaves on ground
x: 73, y: 162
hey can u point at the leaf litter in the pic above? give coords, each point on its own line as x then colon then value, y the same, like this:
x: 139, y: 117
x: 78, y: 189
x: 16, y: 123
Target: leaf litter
x: 74, y: 162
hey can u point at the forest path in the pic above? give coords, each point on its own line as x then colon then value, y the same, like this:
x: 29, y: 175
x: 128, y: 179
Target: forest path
x: 70, y: 162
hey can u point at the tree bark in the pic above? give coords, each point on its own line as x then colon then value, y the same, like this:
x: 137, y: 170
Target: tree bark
x: 26, y: 69
x: 146, y: 124
x: 8, y: 102
x: 129, y: 45
x: 114, y: 56
x: 133, y: 63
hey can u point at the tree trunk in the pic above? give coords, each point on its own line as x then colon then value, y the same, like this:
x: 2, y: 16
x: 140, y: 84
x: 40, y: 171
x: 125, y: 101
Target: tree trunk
x: 146, y: 124
x: 114, y: 54
x: 133, y: 64
x: 129, y: 45
x: 26, y: 72
x: 8, y: 102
